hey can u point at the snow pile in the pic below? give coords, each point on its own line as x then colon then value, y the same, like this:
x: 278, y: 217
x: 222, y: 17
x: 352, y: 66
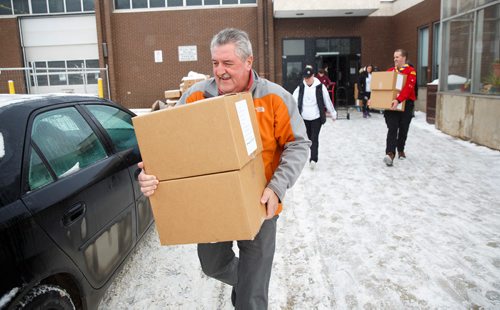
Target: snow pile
x: 355, y: 234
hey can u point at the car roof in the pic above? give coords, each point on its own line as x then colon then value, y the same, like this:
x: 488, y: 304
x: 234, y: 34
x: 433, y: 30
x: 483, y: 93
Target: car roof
x: 15, y: 110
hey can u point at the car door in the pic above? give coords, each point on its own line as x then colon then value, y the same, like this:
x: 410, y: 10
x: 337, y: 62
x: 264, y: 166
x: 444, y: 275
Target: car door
x: 79, y: 192
x: 117, y: 125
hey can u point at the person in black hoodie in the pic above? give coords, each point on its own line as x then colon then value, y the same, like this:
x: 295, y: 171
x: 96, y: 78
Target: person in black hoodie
x: 364, y: 89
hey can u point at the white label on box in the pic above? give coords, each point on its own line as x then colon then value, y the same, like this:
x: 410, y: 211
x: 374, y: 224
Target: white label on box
x: 246, y: 126
x: 399, y: 82
x: 400, y: 106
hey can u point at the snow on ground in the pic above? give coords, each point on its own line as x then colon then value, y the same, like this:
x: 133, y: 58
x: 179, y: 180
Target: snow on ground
x: 355, y: 234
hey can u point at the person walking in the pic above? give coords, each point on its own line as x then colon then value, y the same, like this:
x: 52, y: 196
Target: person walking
x: 285, y: 148
x: 364, y: 89
x: 323, y: 78
x: 398, y: 122
x: 313, y: 102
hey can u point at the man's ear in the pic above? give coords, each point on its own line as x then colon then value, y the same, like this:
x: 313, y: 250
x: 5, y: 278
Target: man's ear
x: 249, y: 62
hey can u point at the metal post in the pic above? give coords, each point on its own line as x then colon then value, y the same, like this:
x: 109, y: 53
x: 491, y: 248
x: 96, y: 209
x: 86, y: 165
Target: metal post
x: 12, y: 90
x: 99, y: 88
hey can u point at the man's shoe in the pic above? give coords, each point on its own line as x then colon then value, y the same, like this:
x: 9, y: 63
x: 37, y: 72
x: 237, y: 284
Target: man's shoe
x: 312, y: 164
x: 389, y: 158
x: 401, y: 155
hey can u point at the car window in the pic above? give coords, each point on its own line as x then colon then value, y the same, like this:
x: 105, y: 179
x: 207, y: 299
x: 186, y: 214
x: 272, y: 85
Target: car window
x: 39, y: 175
x: 66, y: 141
x: 118, y: 125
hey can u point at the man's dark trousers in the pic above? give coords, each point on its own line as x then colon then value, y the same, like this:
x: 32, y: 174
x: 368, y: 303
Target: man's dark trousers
x: 250, y: 273
x: 398, y: 124
x: 313, y: 128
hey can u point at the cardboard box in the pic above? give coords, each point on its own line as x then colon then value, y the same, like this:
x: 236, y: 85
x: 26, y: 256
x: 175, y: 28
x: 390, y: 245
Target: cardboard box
x: 388, y: 80
x: 382, y: 100
x: 172, y: 94
x: 158, y: 105
x: 208, y: 136
x: 211, y: 208
x: 385, y: 87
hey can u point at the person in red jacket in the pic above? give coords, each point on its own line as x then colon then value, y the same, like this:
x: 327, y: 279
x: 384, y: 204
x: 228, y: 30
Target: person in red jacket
x: 322, y: 76
x: 397, y: 122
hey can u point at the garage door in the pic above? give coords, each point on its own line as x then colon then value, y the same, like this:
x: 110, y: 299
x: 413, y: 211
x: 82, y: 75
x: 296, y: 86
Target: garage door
x: 63, y: 51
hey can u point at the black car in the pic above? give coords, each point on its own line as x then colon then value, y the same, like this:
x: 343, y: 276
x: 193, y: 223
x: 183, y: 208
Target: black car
x: 71, y: 210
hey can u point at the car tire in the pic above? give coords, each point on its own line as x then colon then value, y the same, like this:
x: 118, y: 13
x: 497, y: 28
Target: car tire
x: 47, y: 296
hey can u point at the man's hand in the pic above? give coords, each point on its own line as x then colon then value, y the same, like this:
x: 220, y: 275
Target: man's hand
x: 147, y: 182
x: 271, y: 201
x: 394, y: 104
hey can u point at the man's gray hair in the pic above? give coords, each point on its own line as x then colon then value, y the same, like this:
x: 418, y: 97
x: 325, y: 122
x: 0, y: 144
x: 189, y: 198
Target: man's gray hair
x: 238, y: 37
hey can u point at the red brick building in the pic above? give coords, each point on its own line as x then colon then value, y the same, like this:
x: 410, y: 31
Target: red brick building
x: 140, y: 41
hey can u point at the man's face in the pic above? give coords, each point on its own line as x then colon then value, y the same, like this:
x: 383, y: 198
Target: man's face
x: 399, y: 60
x: 231, y: 73
x: 309, y: 80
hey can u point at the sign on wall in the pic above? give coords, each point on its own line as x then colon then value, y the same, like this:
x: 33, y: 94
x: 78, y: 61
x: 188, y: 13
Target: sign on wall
x: 188, y: 53
x: 158, y: 56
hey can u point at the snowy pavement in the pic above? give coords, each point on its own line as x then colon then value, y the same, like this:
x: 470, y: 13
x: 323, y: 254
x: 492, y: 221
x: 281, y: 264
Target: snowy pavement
x: 355, y: 234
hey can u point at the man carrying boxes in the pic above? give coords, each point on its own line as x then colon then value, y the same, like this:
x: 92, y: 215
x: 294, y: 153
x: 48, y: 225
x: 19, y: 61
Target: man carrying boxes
x: 398, y: 100
x: 285, y: 148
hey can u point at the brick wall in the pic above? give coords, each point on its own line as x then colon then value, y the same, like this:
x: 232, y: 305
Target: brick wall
x: 11, y: 56
x: 138, y: 80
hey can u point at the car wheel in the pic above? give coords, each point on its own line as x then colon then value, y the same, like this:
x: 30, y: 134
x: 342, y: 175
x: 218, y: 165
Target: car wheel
x: 47, y: 297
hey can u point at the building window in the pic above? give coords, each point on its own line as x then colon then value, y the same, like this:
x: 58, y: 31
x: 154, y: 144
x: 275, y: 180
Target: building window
x: 39, y: 6
x: 56, y: 6
x: 65, y: 72
x: 21, y: 7
x: 5, y: 7
x: 458, y: 53
x: 73, y: 6
x: 172, y: 3
x: 435, y: 51
x: 471, y: 49
x: 157, y: 3
x: 488, y: 57
x: 35, y: 7
x: 423, y: 55
x: 139, y: 4
x: 122, y: 4
x: 294, y: 47
x: 147, y: 4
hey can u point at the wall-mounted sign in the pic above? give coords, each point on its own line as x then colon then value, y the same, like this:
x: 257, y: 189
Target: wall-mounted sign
x: 158, y: 56
x: 188, y: 53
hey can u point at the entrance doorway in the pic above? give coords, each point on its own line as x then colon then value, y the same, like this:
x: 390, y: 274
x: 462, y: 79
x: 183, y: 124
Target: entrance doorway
x: 343, y: 70
x: 340, y: 55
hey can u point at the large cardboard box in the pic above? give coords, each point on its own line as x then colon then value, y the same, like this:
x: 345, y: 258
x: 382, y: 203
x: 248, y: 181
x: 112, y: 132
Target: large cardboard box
x: 385, y: 87
x: 382, y: 100
x: 211, y: 208
x: 207, y: 157
x: 208, y: 136
x: 387, y: 80
x: 173, y: 94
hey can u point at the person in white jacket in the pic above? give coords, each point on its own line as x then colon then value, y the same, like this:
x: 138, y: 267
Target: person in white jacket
x: 313, y: 100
